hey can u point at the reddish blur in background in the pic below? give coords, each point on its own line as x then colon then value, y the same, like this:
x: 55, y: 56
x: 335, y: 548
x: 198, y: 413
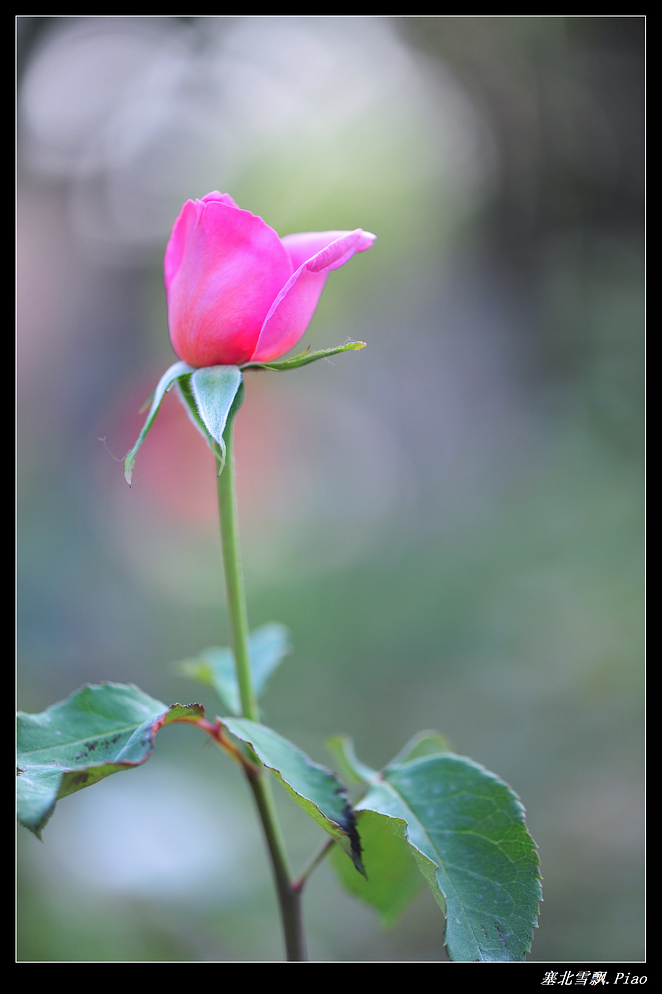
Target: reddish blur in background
x: 449, y: 521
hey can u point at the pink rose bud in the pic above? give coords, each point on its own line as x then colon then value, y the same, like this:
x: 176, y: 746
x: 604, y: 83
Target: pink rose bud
x: 236, y: 291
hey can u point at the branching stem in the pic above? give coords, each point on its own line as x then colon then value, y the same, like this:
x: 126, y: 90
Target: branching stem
x: 298, y: 884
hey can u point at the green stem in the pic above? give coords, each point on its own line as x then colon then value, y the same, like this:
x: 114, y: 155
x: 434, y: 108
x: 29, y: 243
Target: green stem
x: 289, y: 898
x: 234, y: 574
x: 312, y: 864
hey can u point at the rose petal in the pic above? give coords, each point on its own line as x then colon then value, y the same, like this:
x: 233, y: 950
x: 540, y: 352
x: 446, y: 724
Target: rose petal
x: 290, y: 314
x: 303, y: 246
x: 225, y: 268
x: 224, y: 198
x: 177, y: 244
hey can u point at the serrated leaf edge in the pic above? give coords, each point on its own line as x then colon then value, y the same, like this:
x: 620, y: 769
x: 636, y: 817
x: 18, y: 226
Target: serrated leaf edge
x: 347, y: 831
x: 421, y: 856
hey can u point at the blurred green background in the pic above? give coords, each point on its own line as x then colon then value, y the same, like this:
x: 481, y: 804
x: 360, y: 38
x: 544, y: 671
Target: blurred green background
x: 449, y: 521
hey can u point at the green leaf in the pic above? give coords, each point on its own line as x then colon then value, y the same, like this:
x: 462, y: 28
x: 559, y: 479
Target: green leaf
x: 392, y: 878
x: 164, y: 384
x: 267, y: 646
x: 315, y: 789
x: 350, y: 767
x: 214, y: 389
x: 305, y: 357
x: 466, y: 831
x: 422, y: 744
x: 342, y: 748
x: 99, y: 730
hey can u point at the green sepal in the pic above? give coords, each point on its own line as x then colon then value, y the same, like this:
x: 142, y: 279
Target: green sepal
x: 214, y: 389
x: 315, y: 789
x: 305, y: 357
x: 185, y: 394
x: 215, y: 667
x: 99, y: 730
x: 164, y: 384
